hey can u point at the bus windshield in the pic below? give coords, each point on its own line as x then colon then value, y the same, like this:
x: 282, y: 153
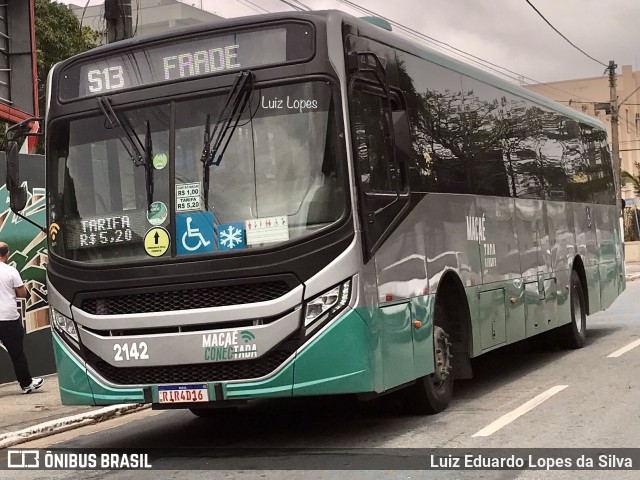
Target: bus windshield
x: 280, y: 177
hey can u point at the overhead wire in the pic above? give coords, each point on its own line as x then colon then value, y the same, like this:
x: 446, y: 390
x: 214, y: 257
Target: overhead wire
x: 430, y: 39
x: 84, y: 10
x: 248, y: 4
x: 135, y: 30
x: 307, y: 8
x: 469, y: 57
x: 569, y: 41
x: 257, y: 6
x: 122, y: 15
x: 292, y: 5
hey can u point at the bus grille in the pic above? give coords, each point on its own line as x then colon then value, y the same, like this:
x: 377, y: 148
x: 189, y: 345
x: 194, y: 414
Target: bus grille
x: 204, y: 372
x: 185, y: 299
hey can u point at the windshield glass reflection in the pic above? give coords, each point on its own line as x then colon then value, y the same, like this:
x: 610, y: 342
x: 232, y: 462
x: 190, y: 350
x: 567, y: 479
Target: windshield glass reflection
x: 278, y: 180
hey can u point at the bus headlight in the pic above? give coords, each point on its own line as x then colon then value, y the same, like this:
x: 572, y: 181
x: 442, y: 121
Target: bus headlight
x: 63, y: 324
x: 328, y: 303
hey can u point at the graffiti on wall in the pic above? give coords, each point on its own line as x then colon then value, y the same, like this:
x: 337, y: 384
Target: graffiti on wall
x: 28, y: 253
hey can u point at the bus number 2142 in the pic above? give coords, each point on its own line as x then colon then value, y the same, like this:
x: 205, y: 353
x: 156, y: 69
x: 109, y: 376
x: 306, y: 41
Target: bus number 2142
x: 133, y: 351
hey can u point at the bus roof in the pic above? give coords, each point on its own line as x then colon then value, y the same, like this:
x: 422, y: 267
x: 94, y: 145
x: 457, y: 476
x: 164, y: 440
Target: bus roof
x: 368, y: 28
x: 390, y: 38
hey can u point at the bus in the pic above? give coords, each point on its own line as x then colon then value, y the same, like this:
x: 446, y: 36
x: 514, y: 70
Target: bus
x: 306, y: 203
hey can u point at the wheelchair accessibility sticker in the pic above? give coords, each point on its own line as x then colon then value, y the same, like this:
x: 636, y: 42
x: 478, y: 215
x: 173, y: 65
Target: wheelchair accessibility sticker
x: 194, y: 232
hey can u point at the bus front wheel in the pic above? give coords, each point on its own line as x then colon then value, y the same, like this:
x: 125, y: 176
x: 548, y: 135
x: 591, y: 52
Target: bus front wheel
x: 432, y: 393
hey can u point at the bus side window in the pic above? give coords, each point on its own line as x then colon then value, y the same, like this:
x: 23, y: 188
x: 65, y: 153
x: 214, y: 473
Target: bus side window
x: 372, y: 133
x: 360, y: 141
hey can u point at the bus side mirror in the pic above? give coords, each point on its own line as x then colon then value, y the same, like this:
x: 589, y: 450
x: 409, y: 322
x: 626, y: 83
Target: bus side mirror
x: 17, y: 193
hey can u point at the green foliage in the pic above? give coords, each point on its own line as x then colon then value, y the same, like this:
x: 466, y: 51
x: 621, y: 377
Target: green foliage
x: 632, y: 180
x: 58, y: 37
x: 631, y: 227
x: 631, y: 224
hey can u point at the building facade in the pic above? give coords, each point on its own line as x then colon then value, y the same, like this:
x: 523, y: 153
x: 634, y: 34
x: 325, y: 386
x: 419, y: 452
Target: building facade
x: 591, y: 96
x: 149, y: 16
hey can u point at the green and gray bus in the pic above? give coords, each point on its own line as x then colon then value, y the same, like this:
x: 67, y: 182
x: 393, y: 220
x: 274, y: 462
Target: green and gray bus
x: 305, y: 204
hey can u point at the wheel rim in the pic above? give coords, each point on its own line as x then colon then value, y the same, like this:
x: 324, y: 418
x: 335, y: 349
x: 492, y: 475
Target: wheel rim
x: 443, y: 356
x: 577, y: 310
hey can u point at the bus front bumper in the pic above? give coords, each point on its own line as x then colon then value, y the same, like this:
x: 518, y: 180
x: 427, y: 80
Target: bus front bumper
x: 337, y: 360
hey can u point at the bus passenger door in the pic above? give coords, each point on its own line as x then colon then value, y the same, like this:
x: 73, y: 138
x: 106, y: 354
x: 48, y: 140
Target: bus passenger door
x: 547, y: 276
x: 535, y: 260
x: 380, y: 132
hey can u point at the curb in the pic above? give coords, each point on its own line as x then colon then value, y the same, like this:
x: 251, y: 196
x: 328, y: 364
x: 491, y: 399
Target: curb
x: 633, y: 276
x: 60, y: 425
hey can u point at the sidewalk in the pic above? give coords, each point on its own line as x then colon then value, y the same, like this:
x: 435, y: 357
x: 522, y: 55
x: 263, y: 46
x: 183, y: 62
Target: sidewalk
x: 633, y: 270
x: 40, y: 413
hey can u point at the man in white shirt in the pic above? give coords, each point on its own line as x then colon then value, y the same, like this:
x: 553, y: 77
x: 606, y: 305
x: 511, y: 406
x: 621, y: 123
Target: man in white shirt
x: 11, y: 329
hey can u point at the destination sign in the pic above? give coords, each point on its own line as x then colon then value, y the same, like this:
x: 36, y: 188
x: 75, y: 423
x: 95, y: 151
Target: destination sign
x: 186, y: 58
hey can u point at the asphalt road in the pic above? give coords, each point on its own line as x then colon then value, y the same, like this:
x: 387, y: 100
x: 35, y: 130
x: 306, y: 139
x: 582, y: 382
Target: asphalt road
x: 583, y: 398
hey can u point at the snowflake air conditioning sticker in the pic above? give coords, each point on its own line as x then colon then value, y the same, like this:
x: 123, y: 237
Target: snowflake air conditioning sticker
x: 231, y: 236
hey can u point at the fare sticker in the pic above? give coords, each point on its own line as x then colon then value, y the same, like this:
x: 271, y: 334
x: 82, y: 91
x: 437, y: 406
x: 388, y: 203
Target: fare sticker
x: 157, y: 241
x: 188, y: 196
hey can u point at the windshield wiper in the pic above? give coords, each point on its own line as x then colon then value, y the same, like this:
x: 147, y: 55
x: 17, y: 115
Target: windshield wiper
x: 148, y: 164
x: 216, y: 142
x: 133, y: 146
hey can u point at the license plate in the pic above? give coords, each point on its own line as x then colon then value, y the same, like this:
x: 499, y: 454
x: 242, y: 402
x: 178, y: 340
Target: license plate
x: 183, y: 394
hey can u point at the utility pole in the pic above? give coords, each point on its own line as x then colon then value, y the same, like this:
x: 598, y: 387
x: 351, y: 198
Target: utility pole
x: 117, y: 14
x: 615, y: 144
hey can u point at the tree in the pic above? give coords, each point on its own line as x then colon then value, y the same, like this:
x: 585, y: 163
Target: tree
x: 58, y: 37
x: 632, y: 180
x: 631, y: 226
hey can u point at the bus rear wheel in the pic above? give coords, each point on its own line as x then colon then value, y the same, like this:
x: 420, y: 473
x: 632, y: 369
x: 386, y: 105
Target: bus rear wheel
x: 432, y: 393
x: 573, y: 335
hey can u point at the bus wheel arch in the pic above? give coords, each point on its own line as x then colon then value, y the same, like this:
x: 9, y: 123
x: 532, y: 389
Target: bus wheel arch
x: 452, y: 347
x: 451, y: 296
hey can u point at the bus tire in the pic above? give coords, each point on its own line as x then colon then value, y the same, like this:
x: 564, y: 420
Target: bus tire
x: 212, y: 412
x: 574, y: 334
x: 432, y: 393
